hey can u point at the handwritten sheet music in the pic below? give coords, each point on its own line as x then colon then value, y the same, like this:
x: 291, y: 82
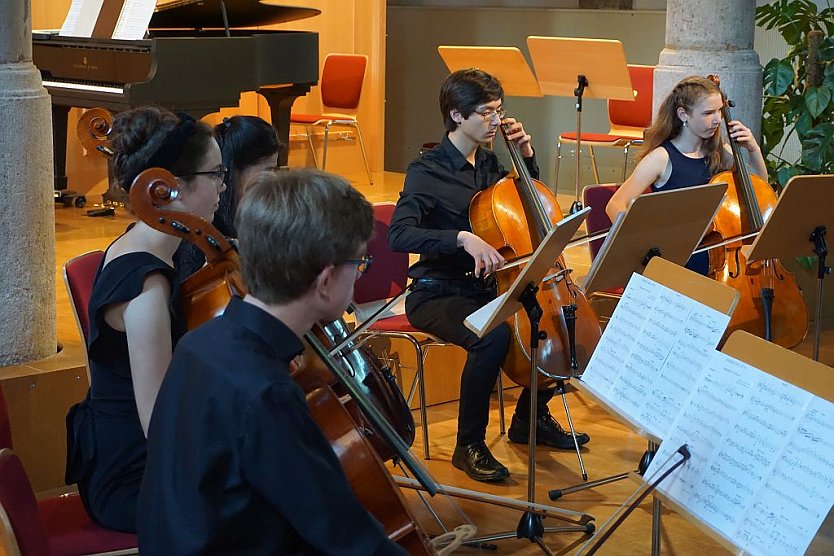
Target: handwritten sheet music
x: 81, y: 18
x: 134, y: 19
x: 762, y: 465
x: 652, y: 352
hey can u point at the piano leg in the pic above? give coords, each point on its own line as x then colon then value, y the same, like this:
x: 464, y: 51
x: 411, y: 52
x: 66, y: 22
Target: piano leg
x: 280, y: 100
x: 59, y: 145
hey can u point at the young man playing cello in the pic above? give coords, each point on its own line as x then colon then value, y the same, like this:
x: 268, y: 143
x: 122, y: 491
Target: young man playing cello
x: 236, y: 464
x: 432, y: 219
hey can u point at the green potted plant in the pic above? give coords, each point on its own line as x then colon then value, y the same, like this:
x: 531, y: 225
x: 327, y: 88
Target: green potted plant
x: 798, y: 89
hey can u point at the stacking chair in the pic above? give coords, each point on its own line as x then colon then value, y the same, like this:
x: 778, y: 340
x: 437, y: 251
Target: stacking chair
x: 387, y: 279
x: 52, y: 526
x: 341, y: 89
x: 79, y: 274
x: 628, y: 120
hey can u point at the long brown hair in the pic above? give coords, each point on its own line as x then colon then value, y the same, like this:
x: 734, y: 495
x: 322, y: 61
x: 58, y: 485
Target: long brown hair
x: 666, y: 125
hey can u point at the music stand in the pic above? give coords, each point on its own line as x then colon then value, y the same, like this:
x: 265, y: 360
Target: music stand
x: 506, y: 63
x: 802, y: 215
x: 594, y: 68
x: 667, y: 223
x: 522, y: 294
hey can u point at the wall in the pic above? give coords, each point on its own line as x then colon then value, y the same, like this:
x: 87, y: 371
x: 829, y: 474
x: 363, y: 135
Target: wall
x: 352, y: 26
x: 415, y: 71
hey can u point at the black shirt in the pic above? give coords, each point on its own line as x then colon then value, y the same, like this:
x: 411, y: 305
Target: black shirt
x: 236, y: 464
x: 434, y: 206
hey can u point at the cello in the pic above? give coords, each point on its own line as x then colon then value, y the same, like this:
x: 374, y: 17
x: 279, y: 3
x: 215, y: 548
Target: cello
x: 513, y: 216
x: 770, y: 305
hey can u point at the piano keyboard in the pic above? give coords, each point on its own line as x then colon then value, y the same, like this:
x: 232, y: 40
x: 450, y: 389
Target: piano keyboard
x: 109, y: 89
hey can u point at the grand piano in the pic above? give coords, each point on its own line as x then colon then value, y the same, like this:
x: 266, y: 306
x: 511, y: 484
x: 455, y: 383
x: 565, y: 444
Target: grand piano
x: 187, y: 64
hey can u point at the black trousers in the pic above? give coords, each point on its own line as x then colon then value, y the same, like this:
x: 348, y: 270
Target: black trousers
x: 440, y: 308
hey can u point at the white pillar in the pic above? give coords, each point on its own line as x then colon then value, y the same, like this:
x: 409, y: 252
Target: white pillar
x: 713, y: 36
x: 27, y: 214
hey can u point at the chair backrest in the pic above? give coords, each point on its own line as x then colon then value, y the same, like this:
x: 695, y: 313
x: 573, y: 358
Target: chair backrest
x: 341, y: 80
x: 388, y: 275
x: 635, y: 113
x: 5, y: 423
x: 597, y: 196
x: 19, y: 509
x: 79, y: 274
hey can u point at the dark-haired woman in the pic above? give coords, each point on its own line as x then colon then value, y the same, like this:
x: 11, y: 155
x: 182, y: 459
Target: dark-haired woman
x: 249, y: 145
x: 134, y: 315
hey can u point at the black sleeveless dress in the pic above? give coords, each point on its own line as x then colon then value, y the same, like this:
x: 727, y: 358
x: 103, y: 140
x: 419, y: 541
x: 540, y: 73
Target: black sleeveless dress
x: 105, y: 442
x: 687, y: 172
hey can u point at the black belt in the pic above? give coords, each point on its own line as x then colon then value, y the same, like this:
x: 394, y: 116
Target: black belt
x: 452, y: 281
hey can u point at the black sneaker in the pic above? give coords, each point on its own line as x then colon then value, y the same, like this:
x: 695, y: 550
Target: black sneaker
x: 548, y: 431
x: 478, y: 462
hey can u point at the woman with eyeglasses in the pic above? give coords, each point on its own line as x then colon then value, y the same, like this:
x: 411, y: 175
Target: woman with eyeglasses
x: 134, y: 314
x: 249, y: 145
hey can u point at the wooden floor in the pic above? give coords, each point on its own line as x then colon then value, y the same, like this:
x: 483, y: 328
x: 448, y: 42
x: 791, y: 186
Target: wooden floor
x: 613, y: 448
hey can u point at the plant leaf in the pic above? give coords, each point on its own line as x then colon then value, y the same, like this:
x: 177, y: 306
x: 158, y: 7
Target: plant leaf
x: 818, y: 147
x: 778, y: 77
x: 785, y: 173
x: 817, y: 100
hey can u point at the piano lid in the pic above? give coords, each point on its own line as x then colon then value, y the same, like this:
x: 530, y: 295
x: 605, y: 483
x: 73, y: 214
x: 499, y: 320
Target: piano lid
x: 206, y: 14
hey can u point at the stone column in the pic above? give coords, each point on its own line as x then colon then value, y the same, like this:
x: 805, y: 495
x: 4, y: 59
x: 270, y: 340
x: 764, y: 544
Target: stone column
x: 713, y: 36
x: 27, y: 214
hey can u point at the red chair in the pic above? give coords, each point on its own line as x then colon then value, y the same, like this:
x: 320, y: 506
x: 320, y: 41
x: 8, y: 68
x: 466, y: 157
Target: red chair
x: 341, y: 89
x: 387, y: 279
x: 597, y: 196
x: 79, y: 274
x: 628, y: 120
x: 51, y: 527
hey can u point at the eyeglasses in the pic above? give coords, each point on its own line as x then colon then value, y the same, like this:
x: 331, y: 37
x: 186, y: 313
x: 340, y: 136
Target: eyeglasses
x: 362, y: 265
x: 488, y: 115
x: 219, y: 175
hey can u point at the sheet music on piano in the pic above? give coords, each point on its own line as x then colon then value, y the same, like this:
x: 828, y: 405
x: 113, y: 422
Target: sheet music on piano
x: 121, y: 20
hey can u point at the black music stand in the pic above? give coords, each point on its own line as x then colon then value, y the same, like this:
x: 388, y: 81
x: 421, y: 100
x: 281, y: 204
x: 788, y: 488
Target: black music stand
x: 802, y: 216
x: 522, y: 294
x: 593, y: 68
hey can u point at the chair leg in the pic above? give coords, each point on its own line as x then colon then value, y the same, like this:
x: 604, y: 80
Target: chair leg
x: 309, y: 132
x: 560, y: 387
x: 324, y: 150
x: 594, y: 163
x: 557, y: 164
x: 364, y: 155
x: 502, y: 426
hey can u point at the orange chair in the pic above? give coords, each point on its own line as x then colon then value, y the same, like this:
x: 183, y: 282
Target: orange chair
x: 628, y: 120
x: 56, y: 526
x: 341, y: 89
x: 79, y: 274
x: 387, y: 279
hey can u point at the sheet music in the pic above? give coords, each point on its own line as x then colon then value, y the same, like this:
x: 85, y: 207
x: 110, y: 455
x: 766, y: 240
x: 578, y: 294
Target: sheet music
x: 762, y: 465
x: 134, y: 19
x: 81, y: 18
x: 652, y: 352
x: 626, y: 322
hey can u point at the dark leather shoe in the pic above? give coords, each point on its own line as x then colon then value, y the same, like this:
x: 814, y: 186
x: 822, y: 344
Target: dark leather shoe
x: 478, y: 462
x: 548, y: 431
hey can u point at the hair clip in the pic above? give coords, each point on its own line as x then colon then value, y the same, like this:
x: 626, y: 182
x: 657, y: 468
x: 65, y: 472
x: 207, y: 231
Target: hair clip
x: 227, y: 123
